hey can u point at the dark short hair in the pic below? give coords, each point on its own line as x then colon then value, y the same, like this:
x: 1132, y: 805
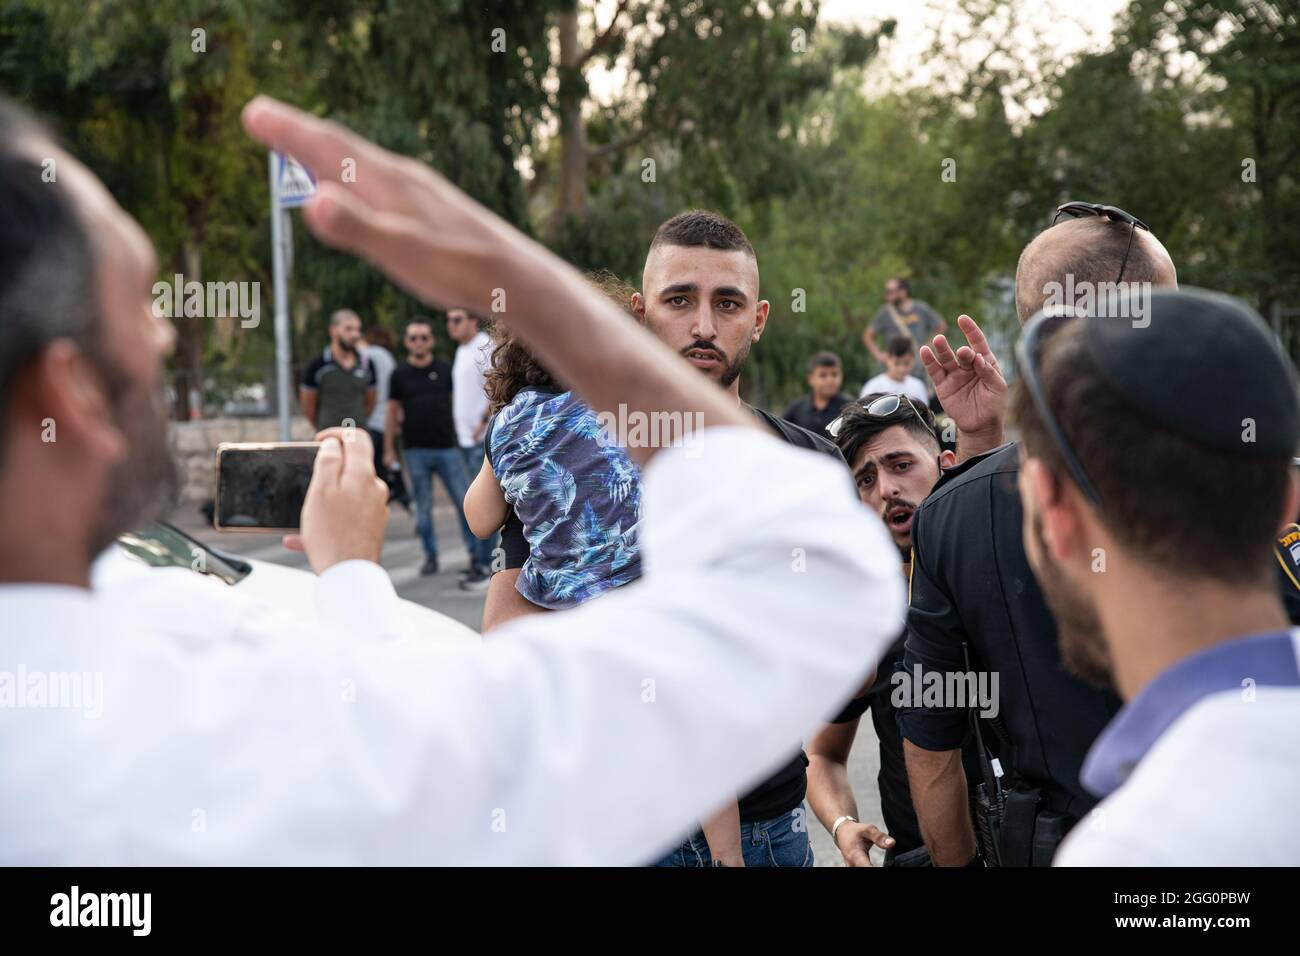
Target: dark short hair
x: 823, y: 360
x: 702, y: 228
x: 1167, y: 498
x: 421, y: 320
x: 857, y: 428
x: 47, y: 286
x: 901, y: 345
x: 379, y: 335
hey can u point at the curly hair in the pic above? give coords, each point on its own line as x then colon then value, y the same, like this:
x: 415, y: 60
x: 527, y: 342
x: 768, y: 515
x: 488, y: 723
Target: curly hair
x: 514, y: 368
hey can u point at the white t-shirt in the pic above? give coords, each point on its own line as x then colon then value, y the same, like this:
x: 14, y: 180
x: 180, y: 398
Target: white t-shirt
x: 468, y: 400
x: 911, y: 386
x: 384, y: 363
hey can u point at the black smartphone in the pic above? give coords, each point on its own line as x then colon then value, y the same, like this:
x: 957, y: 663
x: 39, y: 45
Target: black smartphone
x: 262, y: 487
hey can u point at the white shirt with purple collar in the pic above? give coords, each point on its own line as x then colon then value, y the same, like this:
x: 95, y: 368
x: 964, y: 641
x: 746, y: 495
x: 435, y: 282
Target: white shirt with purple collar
x: 1202, y: 768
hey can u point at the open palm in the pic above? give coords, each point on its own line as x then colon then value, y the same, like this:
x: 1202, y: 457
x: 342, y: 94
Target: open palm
x: 968, y: 381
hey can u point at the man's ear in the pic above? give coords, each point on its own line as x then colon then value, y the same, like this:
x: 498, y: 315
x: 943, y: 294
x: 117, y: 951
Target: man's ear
x: 1057, y: 505
x: 1291, y: 500
x: 638, y: 306
x: 760, y: 318
x: 62, y: 385
x: 947, y: 458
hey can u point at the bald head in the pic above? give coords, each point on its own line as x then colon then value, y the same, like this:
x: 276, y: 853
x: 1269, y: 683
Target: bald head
x: 1092, y: 251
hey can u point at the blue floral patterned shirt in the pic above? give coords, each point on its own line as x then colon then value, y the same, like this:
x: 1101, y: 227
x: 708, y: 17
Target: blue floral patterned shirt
x: 577, y: 494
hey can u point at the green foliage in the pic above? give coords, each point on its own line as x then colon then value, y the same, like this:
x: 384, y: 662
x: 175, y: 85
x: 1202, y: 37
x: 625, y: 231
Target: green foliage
x: 757, y: 109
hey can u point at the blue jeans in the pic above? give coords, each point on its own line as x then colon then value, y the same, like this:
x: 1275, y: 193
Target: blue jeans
x: 782, y: 841
x: 473, y: 457
x: 421, y: 465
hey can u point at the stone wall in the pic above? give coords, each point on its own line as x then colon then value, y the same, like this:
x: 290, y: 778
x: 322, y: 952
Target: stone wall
x: 195, y: 445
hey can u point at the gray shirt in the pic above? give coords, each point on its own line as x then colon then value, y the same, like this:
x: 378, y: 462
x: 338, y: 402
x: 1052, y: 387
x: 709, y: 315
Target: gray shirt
x: 384, y: 363
x: 921, y: 322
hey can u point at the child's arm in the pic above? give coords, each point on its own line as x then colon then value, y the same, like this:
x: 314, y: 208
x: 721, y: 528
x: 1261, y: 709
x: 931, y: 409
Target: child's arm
x: 485, y: 504
x: 722, y: 833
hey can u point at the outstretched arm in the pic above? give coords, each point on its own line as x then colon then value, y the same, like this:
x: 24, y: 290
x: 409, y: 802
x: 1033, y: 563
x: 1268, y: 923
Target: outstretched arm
x: 444, y: 248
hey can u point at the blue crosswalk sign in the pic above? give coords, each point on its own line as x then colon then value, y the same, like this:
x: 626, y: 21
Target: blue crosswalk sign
x: 294, y: 183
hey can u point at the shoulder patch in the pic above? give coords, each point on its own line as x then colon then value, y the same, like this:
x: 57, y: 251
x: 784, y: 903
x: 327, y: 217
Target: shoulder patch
x: 1287, y: 549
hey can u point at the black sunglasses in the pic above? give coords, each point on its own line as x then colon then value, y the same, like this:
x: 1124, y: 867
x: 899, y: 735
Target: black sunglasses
x: 883, y: 407
x: 1040, y: 328
x: 1078, y: 210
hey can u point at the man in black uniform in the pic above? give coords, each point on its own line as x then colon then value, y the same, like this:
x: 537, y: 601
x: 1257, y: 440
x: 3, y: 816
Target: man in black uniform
x: 973, y: 596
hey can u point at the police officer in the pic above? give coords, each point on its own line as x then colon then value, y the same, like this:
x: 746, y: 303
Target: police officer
x: 975, y: 605
x: 1186, y: 623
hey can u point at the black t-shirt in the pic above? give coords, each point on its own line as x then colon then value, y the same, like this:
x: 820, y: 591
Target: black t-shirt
x: 805, y: 414
x: 786, y: 788
x: 424, y: 392
x: 971, y: 583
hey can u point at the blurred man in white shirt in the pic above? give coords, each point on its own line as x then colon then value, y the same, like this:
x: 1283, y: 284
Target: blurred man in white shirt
x: 255, y: 738
x: 469, y: 409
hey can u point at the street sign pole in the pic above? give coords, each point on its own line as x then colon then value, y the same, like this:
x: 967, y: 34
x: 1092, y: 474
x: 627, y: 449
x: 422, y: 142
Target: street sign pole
x: 279, y: 236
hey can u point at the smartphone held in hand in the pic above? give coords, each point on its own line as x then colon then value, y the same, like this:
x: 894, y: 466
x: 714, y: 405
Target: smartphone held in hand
x: 261, y: 487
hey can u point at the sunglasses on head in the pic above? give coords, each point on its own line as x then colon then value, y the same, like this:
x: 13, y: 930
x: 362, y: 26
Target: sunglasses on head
x: 1078, y: 210
x: 883, y: 407
x: 1028, y: 349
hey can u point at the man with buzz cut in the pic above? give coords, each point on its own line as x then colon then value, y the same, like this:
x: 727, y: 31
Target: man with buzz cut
x: 700, y: 297
x: 1181, y: 481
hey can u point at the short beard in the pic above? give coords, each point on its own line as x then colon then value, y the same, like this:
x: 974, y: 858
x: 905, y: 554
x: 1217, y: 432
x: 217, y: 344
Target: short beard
x: 735, y: 367
x: 1078, y: 628
x: 145, y: 485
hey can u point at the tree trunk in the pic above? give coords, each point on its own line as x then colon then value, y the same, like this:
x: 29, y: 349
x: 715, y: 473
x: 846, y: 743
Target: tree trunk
x: 573, y: 199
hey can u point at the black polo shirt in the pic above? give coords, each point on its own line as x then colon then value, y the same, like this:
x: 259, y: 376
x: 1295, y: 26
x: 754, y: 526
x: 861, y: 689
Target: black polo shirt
x: 971, y: 583
x: 341, y: 392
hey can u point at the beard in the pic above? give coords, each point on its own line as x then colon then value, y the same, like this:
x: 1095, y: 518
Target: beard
x: 731, y: 368
x: 1078, y: 627
x: 145, y: 484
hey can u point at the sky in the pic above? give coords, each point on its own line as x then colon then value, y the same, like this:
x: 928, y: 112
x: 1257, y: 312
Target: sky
x: 1069, y: 25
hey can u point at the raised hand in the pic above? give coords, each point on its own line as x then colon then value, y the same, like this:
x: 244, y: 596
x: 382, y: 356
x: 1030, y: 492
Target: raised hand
x: 969, y: 383
x: 447, y: 250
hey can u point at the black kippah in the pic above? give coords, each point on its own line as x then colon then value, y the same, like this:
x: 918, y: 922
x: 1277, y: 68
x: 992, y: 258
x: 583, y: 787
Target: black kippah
x: 1204, y: 365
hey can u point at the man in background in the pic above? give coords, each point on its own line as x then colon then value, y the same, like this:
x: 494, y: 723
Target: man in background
x: 822, y: 404
x: 419, y: 409
x: 902, y: 315
x: 469, y: 407
x: 338, y: 386
x: 377, y: 346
